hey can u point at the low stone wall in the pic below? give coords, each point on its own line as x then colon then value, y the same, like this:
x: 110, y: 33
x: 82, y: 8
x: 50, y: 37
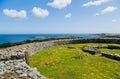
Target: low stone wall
x: 91, y: 50
x: 95, y: 50
x: 111, y: 55
x: 12, y: 59
x: 35, y: 47
x: 113, y: 47
x: 13, y: 65
x: 18, y: 69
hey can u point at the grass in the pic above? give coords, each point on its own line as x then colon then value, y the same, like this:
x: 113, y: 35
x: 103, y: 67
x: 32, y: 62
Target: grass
x: 70, y: 62
x: 117, y: 51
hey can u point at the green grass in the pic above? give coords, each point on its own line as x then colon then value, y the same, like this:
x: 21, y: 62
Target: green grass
x: 117, y: 51
x: 70, y: 62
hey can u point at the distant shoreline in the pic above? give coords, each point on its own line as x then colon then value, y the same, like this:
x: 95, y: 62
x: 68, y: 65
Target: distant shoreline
x: 13, y: 38
x: 47, y: 37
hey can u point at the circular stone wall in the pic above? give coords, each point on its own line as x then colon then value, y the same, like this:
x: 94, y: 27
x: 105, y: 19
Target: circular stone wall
x: 13, y: 58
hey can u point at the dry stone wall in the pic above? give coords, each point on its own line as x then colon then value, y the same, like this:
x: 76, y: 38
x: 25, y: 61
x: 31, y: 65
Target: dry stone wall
x: 91, y: 50
x: 35, y: 47
x: 13, y: 61
x: 111, y: 55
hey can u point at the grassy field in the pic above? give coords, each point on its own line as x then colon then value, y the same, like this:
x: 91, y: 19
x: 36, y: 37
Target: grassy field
x: 70, y: 62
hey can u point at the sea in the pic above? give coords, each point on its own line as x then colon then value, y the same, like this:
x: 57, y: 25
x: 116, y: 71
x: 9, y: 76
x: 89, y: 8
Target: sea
x: 13, y: 38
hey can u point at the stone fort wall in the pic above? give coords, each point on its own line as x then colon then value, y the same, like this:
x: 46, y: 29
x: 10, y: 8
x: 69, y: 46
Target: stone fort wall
x: 14, y: 54
x: 32, y: 48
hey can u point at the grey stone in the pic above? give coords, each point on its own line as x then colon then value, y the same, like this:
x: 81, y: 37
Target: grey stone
x: 111, y: 55
x: 91, y: 50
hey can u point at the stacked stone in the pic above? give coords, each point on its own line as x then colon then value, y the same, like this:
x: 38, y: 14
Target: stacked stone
x: 13, y: 66
x: 11, y: 56
x: 20, y: 68
x: 113, y: 47
x: 95, y: 50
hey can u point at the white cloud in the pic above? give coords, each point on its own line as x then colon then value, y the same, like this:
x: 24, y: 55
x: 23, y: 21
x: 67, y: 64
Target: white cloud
x: 96, y: 3
x: 15, y: 13
x: 41, y: 13
x: 69, y: 15
x: 97, y: 14
x: 108, y: 9
x: 114, y: 20
x: 59, y: 4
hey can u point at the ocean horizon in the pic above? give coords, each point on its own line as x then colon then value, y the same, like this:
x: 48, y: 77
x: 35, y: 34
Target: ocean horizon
x: 13, y: 38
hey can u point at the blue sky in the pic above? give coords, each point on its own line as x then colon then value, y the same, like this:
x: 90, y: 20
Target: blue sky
x: 59, y: 16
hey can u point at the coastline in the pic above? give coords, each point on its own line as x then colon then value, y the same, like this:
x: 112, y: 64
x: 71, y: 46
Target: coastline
x: 13, y: 38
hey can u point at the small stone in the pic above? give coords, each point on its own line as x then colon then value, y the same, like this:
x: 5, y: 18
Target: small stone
x: 31, y: 75
x: 23, y: 75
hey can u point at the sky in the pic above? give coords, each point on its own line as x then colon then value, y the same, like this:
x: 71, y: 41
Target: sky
x: 59, y: 16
